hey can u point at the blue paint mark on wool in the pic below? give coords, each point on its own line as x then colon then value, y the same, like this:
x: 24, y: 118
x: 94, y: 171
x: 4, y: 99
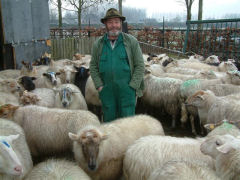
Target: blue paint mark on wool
x: 6, y: 144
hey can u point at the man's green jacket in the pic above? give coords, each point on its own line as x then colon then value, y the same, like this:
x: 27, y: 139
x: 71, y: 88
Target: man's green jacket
x: 135, y: 59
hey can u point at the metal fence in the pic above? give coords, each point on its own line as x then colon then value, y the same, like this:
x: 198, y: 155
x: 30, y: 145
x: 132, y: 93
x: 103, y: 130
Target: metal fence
x: 219, y: 37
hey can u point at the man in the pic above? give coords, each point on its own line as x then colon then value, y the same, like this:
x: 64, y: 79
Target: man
x: 117, y: 69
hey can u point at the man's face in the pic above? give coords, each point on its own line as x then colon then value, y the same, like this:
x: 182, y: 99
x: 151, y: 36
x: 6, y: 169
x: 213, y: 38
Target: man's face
x: 113, y: 26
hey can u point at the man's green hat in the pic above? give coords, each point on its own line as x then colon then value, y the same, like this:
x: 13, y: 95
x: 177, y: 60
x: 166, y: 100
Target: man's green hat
x: 112, y: 13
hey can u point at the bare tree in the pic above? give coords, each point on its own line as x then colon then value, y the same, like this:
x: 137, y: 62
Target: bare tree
x: 81, y: 5
x: 188, y: 4
x: 200, y: 9
x: 120, y: 6
x: 58, y: 4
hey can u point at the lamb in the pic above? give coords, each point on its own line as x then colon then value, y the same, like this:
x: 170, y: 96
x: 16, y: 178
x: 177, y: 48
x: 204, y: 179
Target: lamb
x: 184, y: 77
x: 188, y: 88
x: 222, y: 67
x: 212, y: 109
x: 9, y: 86
x: 182, y: 170
x: 57, y: 169
x: 151, y: 152
x: 46, y: 128
x: 100, y: 150
x: 70, y: 97
x: 226, y: 155
x: 15, y: 158
x: 163, y: 93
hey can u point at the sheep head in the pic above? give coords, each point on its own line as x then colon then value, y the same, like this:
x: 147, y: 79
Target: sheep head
x: 214, y: 145
x: 7, y: 110
x: 9, y: 161
x: 10, y: 85
x: 89, y: 141
x: 196, y: 99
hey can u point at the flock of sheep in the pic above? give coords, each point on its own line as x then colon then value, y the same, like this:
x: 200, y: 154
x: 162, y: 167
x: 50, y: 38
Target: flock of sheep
x: 53, y: 109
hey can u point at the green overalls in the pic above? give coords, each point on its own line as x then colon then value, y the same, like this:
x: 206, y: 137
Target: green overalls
x: 118, y: 98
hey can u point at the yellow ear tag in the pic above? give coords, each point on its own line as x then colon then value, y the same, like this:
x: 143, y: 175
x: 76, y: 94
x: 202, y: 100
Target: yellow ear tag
x: 212, y: 126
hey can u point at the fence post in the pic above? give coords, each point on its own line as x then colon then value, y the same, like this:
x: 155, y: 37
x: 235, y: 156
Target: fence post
x: 163, y: 39
x: 186, y: 37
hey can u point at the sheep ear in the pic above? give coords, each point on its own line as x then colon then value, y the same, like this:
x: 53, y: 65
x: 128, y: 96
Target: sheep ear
x: 225, y: 148
x: 72, y: 136
x: 13, y: 137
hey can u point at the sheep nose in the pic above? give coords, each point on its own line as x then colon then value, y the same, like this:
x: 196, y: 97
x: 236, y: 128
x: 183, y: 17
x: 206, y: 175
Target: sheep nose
x: 18, y: 169
x: 54, y: 82
x: 67, y: 81
x: 92, y: 166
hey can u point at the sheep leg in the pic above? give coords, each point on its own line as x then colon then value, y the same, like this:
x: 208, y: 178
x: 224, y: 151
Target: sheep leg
x: 173, y: 121
x: 193, y: 125
x: 184, y: 115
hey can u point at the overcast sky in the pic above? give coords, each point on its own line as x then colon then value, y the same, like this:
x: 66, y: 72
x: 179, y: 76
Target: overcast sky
x: 211, y: 8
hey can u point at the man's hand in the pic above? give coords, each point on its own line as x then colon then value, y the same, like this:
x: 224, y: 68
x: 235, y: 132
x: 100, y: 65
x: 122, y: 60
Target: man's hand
x: 100, y: 88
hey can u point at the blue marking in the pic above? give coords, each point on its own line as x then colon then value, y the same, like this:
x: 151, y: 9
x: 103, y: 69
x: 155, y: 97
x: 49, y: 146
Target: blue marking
x: 64, y: 93
x: 6, y: 144
x: 51, y: 73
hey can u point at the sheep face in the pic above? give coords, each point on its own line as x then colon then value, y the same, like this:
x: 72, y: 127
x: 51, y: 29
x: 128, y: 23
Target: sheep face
x: 210, y: 145
x: 9, y: 161
x: 196, y: 100
x: 89, y: 141
x: 7, y: 110
x: 66, y: 97
x: 27, y: 82
x: 52, y: 77
x: 82, y: 72
x: 228, y: 66
x: 234, y: 76
x: 11, y: 85
x: 67, y: 74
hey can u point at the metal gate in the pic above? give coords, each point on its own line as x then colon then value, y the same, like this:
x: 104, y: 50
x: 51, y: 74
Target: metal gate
x: 219, y: 37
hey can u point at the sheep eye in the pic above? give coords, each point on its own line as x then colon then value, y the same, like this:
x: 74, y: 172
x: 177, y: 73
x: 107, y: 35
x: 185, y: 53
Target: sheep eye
x: 217, y: 143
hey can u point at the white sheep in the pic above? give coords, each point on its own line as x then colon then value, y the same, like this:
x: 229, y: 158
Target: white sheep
x: 68, y: 73
x: 100, y: 150
x: 189, y: 87
x: 10, y: 86
x: 163, y: 93
x: 8, y: 98
x: 15, y: 158
x: 212, y: 109
x: 9, y: 74
x: 70, y: 97
x: 182, y: 170
x: 91, y: 93
x: 54, y: 169
x: 150, y: 152
x: 225, y: 150
x: 48, y: 80
x: 47, y: 128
